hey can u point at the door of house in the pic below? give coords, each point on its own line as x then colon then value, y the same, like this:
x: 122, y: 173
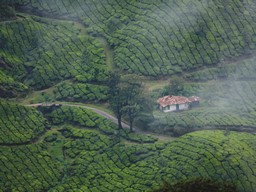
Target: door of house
x: 177, y: 107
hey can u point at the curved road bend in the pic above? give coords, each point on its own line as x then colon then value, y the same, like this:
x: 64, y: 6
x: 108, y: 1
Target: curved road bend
x: 104, y: 114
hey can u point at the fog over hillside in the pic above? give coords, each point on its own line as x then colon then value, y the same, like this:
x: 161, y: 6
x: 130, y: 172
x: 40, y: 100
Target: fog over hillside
x: 79, y: 87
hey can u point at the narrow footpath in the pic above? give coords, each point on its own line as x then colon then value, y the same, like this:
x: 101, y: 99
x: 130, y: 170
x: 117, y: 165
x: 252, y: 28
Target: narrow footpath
x: 104, y: 114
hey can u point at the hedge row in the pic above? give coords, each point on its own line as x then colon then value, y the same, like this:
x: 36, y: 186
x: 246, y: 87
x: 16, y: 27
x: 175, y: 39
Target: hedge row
x: 19, y: 124
x: 41, y: 52
x: 162, y: 37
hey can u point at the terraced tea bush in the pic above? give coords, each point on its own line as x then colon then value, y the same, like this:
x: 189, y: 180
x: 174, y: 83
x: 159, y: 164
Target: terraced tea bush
x: 213, y: 155
x: 80, y: 158
x: 7, y: 12
x: 241, y: 70
x: 198, y: 184
x: 19, y: 124
x: 183, y: 122
x: 10, y: 88
x: 81, y: 92
x: 41, y: 52
x: 162, y: 37
x: 28, y: 168
x: 85, y: 118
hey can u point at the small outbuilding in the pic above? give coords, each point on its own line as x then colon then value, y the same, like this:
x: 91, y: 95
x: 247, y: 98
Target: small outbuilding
x: 177, y: 103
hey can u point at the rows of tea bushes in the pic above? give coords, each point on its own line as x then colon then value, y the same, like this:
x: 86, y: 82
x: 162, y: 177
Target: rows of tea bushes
x: 10, y: 88
x: 162, y: 37
x: 224, y: 104
x: 214, y: 155
x: 84, y: 151
x: 81, y: 92
x: 183, y: 122
x: 240, y: 70
x: 85, y: 118
x: 28, y: 168
x: 19, y: 124
x: 206, y: 154
x: 101, y: 163
x: 41, y: 52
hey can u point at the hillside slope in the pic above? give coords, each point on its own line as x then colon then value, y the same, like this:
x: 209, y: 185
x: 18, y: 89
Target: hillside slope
x: 83, y: 151
x: 65, y: 50
x: 161, y: 37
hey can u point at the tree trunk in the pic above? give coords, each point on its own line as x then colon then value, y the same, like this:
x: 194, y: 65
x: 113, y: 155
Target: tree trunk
x: 119, y: 120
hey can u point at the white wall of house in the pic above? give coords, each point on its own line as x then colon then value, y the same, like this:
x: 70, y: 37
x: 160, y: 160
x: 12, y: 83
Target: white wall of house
x: 169, y: 108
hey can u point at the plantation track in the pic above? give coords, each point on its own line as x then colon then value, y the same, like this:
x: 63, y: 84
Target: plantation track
x: 104, y: 114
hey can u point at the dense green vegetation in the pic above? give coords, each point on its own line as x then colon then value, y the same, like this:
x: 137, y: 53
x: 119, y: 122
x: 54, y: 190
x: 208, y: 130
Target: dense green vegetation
x: 67, y: 50
x: 19, y: 124
x: 89, y: 154
x: 7, y: 12
x: 40, y: 52
x: 227, y: 100
x: 162, y: 37
x: 197, y: 185
x: 11, y: 88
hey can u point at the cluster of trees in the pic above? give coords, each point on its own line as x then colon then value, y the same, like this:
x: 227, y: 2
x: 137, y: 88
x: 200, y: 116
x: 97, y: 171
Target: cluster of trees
x: 126, y: 97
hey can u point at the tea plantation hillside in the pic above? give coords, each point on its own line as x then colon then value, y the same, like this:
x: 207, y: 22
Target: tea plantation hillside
x: 38, y: 53
x: 67, y: 51
x: 227, y: 100
x: 164, y: 36
x: 82, y: 151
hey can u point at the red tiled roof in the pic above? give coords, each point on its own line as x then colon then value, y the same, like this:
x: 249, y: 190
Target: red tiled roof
x: 173, y: 100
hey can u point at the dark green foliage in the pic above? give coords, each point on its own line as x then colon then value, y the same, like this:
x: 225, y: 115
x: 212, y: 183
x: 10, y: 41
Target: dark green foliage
x: 89, y: 154
x: 175, y: 87
x: 41, y: 52
x: 163, y: 37
x: 51, y: 138
x: 81, y: 92
x: 28, y: 168
x: 10, y: 88
x: 19, y: 124
x: 197, y: 185
x: 83, y: 117
x: 82, y: 151
x: 126, y: 97
x: 7, y: 12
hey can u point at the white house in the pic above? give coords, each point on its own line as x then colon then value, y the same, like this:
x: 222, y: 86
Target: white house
x: 176, y: 103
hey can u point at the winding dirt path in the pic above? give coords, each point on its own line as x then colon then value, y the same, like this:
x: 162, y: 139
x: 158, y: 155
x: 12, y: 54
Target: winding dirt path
x: 104, y: 114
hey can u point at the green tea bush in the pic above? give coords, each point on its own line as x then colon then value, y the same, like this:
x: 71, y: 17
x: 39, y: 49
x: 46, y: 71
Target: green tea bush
x: 162, y: 37
x: 20, y: 124
x: 81, y: 92
x: 41, y: 52
x: 28, y: 168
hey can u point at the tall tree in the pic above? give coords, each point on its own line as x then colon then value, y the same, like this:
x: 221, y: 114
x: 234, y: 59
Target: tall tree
x: 116, y: 100
x: 125, y: 97
x: 132, y: 112
x: 132, y: 85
